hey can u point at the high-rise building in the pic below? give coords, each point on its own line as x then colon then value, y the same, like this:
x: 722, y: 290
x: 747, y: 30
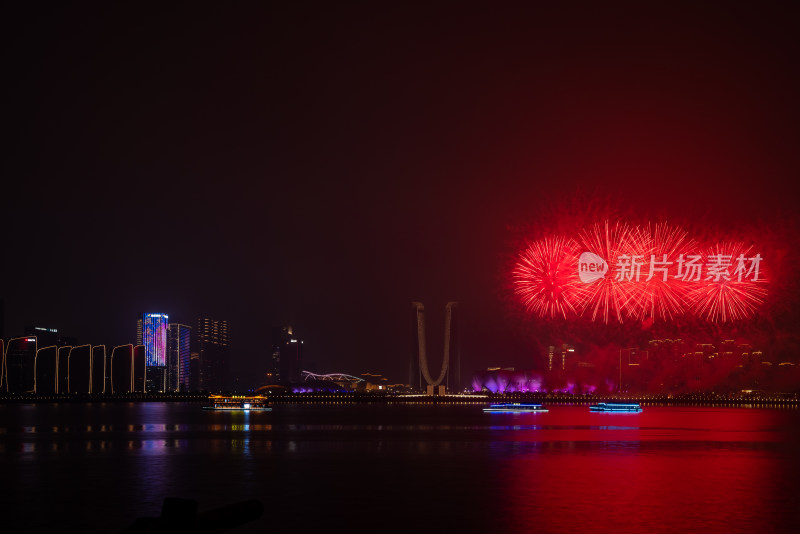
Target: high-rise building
x: 98, y: 380
x: 178, y: 357
x: 557, y: 357
x: 194, y: 371
x: 122, y: 369
x: 286, y: 359
x: 151, y: 331
x: 46, y: 368
x: 139, y: 369
x: 18, y: 365
x: 79, y: 370
x: 46, y: 337
x: 63, y: 369
x: 212, y: 340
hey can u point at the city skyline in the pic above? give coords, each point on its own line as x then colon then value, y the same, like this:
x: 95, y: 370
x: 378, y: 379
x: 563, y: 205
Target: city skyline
x: 413, y: 267
x: 151, y: 171
x: 46, y: 363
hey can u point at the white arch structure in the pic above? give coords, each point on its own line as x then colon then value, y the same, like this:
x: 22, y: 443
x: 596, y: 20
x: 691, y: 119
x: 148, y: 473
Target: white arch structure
x: 331, y: 377
x: 423, y: 356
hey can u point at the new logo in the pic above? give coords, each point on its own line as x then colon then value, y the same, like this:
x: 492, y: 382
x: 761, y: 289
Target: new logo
x: 591, y: 267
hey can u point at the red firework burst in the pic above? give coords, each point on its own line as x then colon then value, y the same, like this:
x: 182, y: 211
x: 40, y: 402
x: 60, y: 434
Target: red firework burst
x: 660, y: 296
x: 612, y: 295
x: 545, y: 277
x: 732, y: 287
x: 625, y: 271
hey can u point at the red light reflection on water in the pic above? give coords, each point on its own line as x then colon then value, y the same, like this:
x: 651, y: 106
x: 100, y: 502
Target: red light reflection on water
x: 685, y: 470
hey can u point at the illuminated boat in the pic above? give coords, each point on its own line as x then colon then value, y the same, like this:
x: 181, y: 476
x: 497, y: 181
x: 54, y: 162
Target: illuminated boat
x: 615, y: 407
x: 257, y: 403
x: 514, y: 407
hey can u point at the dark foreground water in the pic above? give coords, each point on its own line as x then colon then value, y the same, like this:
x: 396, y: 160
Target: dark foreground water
x: 404, y: 468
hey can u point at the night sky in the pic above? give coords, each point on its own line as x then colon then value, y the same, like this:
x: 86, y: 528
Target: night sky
x: 323, y: 165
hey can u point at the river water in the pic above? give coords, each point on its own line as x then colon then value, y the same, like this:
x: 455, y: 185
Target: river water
x: 97, y: 467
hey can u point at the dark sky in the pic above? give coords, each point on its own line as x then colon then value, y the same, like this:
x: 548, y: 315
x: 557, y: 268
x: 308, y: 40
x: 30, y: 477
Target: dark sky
x: 323, y: 165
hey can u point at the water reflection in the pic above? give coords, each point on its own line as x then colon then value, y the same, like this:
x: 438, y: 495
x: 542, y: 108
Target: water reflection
x: 559, y: 471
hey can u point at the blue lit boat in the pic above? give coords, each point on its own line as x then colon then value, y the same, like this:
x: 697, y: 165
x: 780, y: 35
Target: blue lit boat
x: 615, y: 407
x: 514, y: 407
x: 235, y: 403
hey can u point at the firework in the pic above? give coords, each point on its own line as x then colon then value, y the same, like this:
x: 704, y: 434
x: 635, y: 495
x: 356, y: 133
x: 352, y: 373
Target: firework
x: 618, y: 271
x: 661, y: 296
x: 731, y: 289
x: 612, y: 295
x: 545, y: 277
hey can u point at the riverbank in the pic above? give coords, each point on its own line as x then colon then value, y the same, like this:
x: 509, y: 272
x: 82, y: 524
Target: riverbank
x: 741, y: 399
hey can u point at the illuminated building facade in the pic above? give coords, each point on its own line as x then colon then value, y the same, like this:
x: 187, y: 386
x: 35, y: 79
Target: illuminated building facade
x: 79, y: 373
x: 178, y: 357
x: 127, y: 365
x: 139, y: 368
x: 557, y: 356
x: 151, y: 331
x: 122, y: 369
x: 286, y: 360
x: 27, y: 367
x: 46, y: 370
x: 98, y: 383
x: 212, y: 338
x: 63, y: 369
x: 19, y: 365
x: 194, y: 371
x: 45, y: 336
x: 374, y: 382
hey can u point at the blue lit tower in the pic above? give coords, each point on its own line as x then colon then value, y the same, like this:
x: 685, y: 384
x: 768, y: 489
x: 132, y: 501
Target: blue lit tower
x: 178, y: 355
x: 151, y: 331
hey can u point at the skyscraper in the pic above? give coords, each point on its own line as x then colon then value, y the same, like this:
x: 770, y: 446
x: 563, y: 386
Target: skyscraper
x: 19, y: 365
x: 151, y: 331
x: 79, y: 370
x: 285, y: 364
x: 178, y: 357
x: 122, y: 369
x: 139, y: 369
x: 98, y: 380
x: 45, y: 337
x: 213, y: 346
x: 62, y: 385
x: 194, y: 369
x: 46, y: 368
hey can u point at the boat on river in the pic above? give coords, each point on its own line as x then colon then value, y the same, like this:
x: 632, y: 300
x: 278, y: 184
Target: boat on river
x: 514, y: 407
x: 615, y: 407
x: 238, y: 403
